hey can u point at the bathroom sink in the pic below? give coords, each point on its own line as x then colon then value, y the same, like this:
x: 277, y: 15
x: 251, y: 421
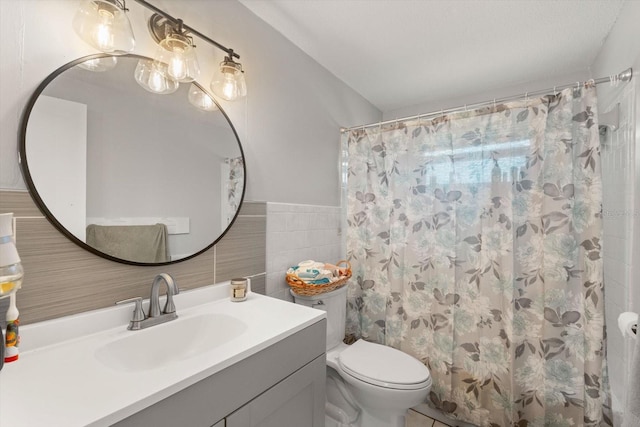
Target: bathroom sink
x: 169, y: 342
x: 84, y: 357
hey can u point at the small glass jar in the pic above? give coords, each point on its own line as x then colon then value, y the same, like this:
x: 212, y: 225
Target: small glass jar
x: 239, y: 289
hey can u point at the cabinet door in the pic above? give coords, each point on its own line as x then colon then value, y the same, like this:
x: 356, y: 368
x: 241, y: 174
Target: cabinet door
x: 296, y: 401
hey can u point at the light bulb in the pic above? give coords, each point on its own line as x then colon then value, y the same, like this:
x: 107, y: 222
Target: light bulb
x: 103, y: 36
x: 200, y: 99
x: 228, y: 82
x: 177, y: 54
x: 156, y: 81
x: 153, y: 77
x: 177, y: 68
x: 229, y: 87
x: 104, y: 25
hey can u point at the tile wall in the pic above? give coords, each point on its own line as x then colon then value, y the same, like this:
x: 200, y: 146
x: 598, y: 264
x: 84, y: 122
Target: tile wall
x: 61, y: 278
x: 618, y: 153
x: 296, y: 233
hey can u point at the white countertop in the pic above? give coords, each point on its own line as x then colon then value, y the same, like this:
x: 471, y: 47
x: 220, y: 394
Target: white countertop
x: 58, y: 381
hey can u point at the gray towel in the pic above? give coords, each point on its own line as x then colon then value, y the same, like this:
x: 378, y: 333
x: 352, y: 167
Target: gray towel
x: 137, y: 243
x: 631, y: 416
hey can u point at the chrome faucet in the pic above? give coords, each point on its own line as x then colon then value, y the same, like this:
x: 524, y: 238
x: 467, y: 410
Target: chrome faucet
x: 154, y: 299
x: 139, y: 320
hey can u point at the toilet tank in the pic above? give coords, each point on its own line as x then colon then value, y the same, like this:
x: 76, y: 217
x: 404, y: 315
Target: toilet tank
x: 335, y: 304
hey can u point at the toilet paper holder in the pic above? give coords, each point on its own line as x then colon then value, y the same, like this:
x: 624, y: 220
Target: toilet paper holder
x: 628, y: 324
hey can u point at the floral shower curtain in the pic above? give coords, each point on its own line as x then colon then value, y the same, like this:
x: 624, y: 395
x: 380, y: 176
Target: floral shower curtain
x: 475, y: 243
x: 234, y: 186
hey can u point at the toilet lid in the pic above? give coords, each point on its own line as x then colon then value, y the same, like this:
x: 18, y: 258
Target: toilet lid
x: 383, y: 366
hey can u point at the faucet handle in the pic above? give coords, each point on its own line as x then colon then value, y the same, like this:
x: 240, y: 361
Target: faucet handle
x: 138, y: 312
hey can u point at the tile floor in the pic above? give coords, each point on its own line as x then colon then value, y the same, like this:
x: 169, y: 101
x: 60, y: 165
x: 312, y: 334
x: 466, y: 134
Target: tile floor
x: 416, y: 419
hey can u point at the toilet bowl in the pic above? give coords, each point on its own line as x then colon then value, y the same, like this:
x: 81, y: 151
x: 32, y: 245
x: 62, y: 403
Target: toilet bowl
x: 368, y: 384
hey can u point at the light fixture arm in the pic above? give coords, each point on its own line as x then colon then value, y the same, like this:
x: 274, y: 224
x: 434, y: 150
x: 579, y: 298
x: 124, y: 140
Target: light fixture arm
x: 180, y: 24
x: 122, y: 4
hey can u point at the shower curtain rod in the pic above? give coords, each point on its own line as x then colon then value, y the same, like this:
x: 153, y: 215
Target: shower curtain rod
x: 624, y: 76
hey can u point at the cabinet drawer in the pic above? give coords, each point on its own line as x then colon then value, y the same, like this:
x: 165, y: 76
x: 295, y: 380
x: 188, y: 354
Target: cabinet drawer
x: 297, y: 401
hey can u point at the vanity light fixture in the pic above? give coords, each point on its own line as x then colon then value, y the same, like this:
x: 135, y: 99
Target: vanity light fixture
x: 201, y: 99
x: 177, y: 51
x: 104, y: 25
x: 228, y: 82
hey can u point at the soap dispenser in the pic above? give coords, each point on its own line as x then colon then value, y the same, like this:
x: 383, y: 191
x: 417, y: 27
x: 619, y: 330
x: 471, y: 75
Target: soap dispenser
x: 10, y: 267
x: 11, y: 274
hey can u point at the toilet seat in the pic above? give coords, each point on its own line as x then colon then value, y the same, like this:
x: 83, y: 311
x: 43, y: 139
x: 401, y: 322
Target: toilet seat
x: 383, y: 366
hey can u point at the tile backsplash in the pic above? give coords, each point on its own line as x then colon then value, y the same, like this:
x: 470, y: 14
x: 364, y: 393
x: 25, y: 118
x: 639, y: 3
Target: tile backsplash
x: 296, y: 233
x: 266, y: 239
x: 61, y: 278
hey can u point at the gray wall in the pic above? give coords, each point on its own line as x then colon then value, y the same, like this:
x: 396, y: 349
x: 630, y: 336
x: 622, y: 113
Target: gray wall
x: 288, y: 125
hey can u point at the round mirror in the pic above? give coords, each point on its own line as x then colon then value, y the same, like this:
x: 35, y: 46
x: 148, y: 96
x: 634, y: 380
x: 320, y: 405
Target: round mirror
x: 134, y: 176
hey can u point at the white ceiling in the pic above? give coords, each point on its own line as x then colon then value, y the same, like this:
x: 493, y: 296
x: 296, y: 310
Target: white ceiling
x: 397, y: 53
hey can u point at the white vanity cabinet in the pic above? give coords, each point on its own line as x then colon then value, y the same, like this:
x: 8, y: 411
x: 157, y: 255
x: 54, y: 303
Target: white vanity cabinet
x: 282, y: 385
x: 292, y: 402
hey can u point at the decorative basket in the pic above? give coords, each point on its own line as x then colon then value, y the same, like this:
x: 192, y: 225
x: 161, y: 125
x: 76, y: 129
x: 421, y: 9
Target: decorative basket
x: 300, y: 287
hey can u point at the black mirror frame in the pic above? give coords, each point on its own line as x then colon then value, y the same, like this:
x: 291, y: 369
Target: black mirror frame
x: 24, y: 166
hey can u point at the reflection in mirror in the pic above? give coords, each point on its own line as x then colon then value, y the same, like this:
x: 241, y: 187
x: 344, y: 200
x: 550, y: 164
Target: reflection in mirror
x: 134, y: 176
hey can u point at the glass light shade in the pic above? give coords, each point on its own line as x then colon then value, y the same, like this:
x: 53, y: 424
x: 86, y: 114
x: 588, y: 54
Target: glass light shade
x: 228, y: 82
x: 99, y: 65
x: 200, y: 99
x: 179, y: 55
x: 104, y: 25
x: 153, y: 77
x: 10, y: 267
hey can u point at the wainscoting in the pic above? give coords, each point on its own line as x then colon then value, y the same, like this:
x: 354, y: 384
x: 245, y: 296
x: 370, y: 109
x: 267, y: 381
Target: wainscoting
x: 296, y: 233
x: 61, y: 278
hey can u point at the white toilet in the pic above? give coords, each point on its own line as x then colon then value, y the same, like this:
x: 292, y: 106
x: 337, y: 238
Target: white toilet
x: 368, y: 384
